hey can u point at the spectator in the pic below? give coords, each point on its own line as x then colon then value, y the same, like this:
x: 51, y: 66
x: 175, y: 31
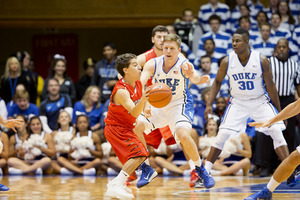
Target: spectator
x: 236, y: 13
x: 90, y: 106
x: 287, y: 19
x: 58, y: 70
x: 255, y: 7
x: 50, y: 107
x: 209, y: 47
x: 86, y: 80
x: 10, y: 79
x: 221, y: 39
x: 214, y: 7
x: 265, y: 44
x: 261, y: 17
x: 16, y: 140
x: 245, y: 23
x: 28, y: 75
x: 22, y: 106
x: 295, y: 9
x: 220, y: 107
x: 296, y: 41
x: 83, y: 164
x: 65, y: 130
x: 273, y: 8
x: 37, y: 164
x: 185, y: 26
x: 105, y: 75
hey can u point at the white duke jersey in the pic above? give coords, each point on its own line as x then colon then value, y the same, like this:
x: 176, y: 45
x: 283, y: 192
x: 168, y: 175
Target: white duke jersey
x: 173, y: 78
x: 246, y: 82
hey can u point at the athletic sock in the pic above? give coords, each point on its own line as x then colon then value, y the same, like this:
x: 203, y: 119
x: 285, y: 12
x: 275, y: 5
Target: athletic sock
x: 147, y: 162
x: 122, y: 177
x: 197, y: 163
x: 208, y: 166
x: 191, y: 164
x: 272, y: 185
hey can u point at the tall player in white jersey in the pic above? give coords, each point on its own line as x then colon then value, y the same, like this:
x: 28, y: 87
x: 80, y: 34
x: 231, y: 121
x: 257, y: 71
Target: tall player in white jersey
x: 251, y: 89
x: 176, y: 72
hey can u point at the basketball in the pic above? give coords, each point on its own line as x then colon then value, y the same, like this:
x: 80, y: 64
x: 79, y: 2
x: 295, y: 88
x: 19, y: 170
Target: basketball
x: 160, y: 95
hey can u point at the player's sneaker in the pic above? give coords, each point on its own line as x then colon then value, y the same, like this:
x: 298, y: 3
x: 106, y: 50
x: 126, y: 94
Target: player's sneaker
x: 199, y: 183
x: 263, y: 194
x: 148, y: 174
x: 208, y: 180
x: 194, y: 177
x: 3, y: 188
x: 115, y: 190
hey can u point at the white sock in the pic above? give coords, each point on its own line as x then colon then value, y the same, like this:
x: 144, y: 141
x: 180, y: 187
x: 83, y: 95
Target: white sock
x: 122, y: 177
x: 192, y: 165
x: 272, y: 185
x: 147, y: 162
x: 197, y: 163
x: 208, y: 166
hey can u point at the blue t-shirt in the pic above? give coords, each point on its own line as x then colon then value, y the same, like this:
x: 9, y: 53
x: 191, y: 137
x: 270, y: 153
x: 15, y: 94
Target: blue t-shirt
x: 15, y: 110
x: 94, y: 115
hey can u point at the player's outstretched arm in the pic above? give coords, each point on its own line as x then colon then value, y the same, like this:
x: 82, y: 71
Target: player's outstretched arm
x: 189, y: 72
x: 122, y: 97
x: 289, y: 111
x: 269, y: 83
x: 215, y: 88
x: 148, y: 71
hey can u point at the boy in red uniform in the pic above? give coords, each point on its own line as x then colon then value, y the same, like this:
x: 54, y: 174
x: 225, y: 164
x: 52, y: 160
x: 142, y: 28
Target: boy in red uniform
x: 127, y: 102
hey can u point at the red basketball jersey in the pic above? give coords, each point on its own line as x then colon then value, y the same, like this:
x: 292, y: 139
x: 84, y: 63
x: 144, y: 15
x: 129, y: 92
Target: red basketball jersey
x: 117, y: 114
x: 150, y: 54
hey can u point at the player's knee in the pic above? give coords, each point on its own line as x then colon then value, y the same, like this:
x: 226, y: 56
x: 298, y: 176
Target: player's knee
x: 221, y: 138
x: 183, y: 134
x: 277, y: 136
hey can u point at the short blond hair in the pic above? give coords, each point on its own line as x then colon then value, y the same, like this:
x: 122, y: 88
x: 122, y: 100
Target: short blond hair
x: 173, y: 38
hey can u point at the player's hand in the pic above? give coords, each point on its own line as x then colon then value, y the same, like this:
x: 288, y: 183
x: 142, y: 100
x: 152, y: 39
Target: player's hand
x: 145, y: 95
x: 13, y: 124
x: 205, y: 79
x: 260, y: 124
x: 188, y: 69
x: 207, y: 112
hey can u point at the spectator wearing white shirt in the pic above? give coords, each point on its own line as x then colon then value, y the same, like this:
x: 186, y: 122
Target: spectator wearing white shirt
x: 217, y: 8
x: 222, y: 40
x: 287, y: 19
x: 265, y: 44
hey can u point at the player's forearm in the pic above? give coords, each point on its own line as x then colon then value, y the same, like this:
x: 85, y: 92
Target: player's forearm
x: 289, y: 111
x: 137, y: 110
x: 215, y: 88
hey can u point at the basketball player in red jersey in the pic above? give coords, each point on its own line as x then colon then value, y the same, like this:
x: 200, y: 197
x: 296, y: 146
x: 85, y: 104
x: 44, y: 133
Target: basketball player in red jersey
x: 127, y: 102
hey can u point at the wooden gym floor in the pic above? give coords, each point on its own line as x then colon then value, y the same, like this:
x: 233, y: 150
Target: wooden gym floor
x: 162, y: 188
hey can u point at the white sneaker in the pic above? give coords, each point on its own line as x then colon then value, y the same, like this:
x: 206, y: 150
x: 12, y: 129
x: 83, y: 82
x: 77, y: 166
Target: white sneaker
x: 166, y: 172
x: 1, y: 172
x: 89, y: 172
x: 39, y: 172
x: 118, y: 191
x: 14, y: 171
x: 66, y: 172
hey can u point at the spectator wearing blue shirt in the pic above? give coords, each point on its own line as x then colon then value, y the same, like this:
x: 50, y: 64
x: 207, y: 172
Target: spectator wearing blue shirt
x: 90, y: 106
x: 265, y: 44
x: 222, y: 40
x: 244, y: 22
x: 22, y: 106
x: 214, y: 7
x: 255, y: 7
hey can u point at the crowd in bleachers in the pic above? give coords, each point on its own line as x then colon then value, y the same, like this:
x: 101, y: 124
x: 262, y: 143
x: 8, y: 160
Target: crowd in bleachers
x: 57, y: 111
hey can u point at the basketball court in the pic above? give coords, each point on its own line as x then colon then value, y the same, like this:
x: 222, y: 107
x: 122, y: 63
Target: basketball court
x: 162, y: 188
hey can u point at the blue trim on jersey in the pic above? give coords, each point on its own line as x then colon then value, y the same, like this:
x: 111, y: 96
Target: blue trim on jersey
x: 227, y: 64
x: 188, y: 109
x: 170, y: 68
x: 155, y: 66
